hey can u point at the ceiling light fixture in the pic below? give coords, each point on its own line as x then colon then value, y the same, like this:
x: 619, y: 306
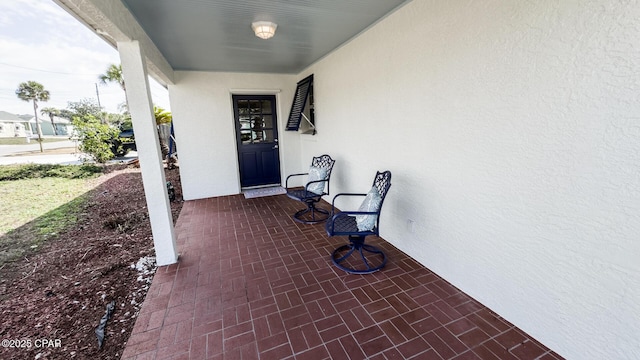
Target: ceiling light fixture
x: 264, y: 29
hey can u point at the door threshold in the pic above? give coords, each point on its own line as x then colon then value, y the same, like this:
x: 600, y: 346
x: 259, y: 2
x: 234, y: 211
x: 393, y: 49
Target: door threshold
x: 259, y: 187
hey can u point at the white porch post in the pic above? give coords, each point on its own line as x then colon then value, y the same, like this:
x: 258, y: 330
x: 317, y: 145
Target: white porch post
x: 134, y: 72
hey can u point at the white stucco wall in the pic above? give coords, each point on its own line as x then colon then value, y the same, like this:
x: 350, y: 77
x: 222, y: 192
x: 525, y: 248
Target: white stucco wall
x: 513, y: 133
x: 202, y: 111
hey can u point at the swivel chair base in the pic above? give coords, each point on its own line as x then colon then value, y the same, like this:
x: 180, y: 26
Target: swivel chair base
x: 357, y: 252
x: 303, y: 217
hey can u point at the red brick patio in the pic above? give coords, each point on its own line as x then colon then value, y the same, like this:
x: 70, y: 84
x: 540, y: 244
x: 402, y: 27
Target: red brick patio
x: 253, y: 284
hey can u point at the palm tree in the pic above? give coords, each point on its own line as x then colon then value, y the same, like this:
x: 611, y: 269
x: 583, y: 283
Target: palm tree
x: 51, y: 112
x: 114, y: 75
x: 33, y: 91
x: 162, y: 117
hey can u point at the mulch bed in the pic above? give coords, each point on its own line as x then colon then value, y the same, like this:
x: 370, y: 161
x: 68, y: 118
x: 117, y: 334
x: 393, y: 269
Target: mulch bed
x: 53, y: 300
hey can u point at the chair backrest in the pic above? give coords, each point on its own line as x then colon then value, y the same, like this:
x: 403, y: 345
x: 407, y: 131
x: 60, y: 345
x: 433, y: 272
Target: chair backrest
x: 382, y: 182
x: 325, y: 162
x: 370, y: 222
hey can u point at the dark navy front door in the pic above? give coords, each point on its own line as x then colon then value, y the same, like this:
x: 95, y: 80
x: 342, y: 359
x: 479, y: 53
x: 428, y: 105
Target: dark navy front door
x: 257, y: 139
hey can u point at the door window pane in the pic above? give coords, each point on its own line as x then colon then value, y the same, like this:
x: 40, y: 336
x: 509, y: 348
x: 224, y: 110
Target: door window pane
x: 256, y: 123
x: 267, y: 121
x: 267, y: 136
x: 245, y: 122
x: 257, y: 136
x: 254, y: 106
x: 243, y: 107
x: 266, y: 107
x: 245, y: 136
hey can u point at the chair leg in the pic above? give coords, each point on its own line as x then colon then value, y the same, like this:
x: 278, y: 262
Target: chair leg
x: 314, y: 218
x: 372, y: 257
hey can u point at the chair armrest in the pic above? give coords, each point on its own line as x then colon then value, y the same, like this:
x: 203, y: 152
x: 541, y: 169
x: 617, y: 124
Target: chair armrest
x: 334, y: 216
x: 352, y: 213
x: 346, y: 213
x: 345, y: 194
x: 286, y: 184
x: 333, y: 202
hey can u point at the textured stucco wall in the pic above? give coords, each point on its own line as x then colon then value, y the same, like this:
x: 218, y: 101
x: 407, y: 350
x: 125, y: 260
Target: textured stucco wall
x: 513, y: 133
x: 203, y: 121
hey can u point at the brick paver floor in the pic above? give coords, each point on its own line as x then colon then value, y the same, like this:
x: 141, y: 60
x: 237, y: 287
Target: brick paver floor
x: 253, y: 284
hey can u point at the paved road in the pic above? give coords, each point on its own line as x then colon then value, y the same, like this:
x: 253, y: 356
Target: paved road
x: 33, y: 146
x: 62, y: 159
x: 10, y: 154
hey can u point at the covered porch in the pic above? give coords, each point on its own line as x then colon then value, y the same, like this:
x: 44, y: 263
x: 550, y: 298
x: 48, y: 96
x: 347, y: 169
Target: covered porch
x: 511, y: 129
x: 251, y: 283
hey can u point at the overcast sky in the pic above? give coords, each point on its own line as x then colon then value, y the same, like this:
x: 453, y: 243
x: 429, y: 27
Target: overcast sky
x: 40, y: 41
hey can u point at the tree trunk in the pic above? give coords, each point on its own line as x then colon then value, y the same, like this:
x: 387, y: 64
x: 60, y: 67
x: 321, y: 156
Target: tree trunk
x: 55, y: 132
x: 35, y: 112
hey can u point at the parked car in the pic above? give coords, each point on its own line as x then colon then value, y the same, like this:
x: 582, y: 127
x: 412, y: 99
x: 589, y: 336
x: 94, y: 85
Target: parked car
x: 125, y: 142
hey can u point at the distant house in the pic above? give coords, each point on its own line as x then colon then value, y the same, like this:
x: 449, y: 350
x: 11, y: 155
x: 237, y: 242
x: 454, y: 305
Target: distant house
x: 63, y: 126
x: 12, y: 125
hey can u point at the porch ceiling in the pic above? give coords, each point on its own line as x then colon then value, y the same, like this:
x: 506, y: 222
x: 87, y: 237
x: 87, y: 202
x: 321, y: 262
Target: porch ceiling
x: 216, y: 35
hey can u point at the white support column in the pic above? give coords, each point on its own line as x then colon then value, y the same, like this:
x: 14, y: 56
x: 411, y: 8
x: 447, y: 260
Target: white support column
x: 134, y: 72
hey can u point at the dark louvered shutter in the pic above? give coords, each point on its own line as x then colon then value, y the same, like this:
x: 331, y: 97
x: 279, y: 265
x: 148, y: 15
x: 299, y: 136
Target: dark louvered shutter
x: 299, y: 101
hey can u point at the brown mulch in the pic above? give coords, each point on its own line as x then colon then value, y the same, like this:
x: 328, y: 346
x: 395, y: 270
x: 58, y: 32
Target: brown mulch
x: 52, y: 300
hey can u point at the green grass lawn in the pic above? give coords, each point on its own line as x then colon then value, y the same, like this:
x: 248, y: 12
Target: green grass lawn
x: 26, y: 200
x: 23, y: 141
x: 39, y: 201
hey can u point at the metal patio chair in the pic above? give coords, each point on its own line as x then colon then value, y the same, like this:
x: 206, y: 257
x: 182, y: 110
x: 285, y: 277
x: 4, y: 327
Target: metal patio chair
x: 358, y: 257
x: 317, y: 185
